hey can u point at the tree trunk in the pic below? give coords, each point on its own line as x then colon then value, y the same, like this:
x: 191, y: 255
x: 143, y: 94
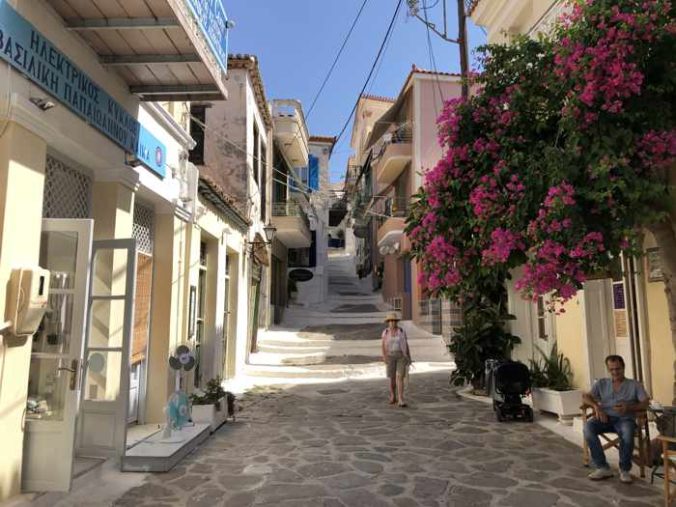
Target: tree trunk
x: 665, y: 236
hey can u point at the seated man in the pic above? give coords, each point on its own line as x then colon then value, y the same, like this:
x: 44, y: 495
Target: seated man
x: 615, y: 401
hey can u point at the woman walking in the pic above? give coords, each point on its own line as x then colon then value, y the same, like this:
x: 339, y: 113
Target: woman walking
x: 396, y: 356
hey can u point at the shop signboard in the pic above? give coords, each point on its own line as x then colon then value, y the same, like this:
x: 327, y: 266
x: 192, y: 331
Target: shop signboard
x: 301, y: 275
x: 213, y: 21
x: 313, y: 172
x: 28, y: 51
x: 151, y: 152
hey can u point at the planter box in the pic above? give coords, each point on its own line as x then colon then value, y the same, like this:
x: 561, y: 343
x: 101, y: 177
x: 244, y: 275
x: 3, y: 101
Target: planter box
x: 209, y: 415
x: 565, y: 404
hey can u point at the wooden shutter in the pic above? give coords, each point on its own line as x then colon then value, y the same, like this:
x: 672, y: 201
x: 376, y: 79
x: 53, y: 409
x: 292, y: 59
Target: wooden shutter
x: 144, y: 283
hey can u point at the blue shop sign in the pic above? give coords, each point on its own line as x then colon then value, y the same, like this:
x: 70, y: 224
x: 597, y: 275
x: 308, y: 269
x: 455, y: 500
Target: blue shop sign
x: 213, y: 21
x: 151, y: 152
x: 30, y: 53
x: 313, y: 172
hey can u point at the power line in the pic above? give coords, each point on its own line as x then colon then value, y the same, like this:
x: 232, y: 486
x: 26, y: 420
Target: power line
x: 380, y: 63
x: 298, y: 183
x: 433, y: 61
x: 335, y: 60
x: 373, y: 66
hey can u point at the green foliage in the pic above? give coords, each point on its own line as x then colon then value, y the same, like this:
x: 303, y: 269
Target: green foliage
x: 482, y: 336
x: 210, y: 395
x: 552, y: 371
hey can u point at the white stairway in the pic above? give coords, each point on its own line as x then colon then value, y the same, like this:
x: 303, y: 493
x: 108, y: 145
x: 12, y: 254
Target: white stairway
x: 339, y: 338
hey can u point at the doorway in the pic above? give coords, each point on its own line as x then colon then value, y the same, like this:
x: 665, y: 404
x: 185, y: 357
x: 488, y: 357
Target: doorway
x: 142, y: 232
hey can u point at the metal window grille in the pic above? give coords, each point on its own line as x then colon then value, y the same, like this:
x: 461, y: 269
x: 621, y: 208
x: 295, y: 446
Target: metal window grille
x: 396, y: 303
x: 142, y: 228
x: 451, y: 320
x: 67, y: 192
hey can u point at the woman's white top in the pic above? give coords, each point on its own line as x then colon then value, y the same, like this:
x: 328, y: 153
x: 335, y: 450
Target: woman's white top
x: 395, y: 341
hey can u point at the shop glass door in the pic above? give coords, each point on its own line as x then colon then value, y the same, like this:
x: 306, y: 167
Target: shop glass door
x: 55, y: 367
x: 105, y: 396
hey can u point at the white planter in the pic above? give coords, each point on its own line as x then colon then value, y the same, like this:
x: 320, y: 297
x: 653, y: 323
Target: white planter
x: 565, y: 404
x: 209, y: 415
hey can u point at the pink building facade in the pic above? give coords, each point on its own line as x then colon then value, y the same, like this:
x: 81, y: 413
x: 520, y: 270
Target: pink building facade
x: 401, y: 145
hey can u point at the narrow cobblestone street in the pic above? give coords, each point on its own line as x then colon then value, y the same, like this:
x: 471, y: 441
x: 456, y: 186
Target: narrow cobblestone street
x: 333, y: 440
x: 343, y: 445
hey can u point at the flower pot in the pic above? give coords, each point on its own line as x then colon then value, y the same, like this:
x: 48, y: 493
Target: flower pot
x: 214, y: 414
x: 565, y: 404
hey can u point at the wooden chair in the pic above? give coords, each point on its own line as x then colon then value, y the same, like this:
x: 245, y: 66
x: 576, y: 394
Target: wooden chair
x: 641, y: 455
x: 669, y: 457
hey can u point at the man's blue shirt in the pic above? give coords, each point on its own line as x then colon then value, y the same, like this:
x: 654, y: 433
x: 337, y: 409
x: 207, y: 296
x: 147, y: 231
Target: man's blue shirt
x: 629, y: 392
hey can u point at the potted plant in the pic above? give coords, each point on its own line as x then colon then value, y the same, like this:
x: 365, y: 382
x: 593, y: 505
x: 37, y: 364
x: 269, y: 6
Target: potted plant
x: 552, y: 390
x: 481, y: 336
x: 209, y: 405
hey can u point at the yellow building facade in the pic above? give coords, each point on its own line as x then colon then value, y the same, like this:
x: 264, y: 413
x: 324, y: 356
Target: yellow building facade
x: 141, y: 254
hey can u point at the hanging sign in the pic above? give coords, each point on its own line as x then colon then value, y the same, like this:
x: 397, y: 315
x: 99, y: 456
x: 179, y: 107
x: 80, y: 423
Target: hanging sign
x: 301, y: 275
x: 212, y: 20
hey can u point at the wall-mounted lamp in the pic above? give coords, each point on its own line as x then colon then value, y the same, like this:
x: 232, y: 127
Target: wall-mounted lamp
x: 42, y: 103
x: 269, y: 230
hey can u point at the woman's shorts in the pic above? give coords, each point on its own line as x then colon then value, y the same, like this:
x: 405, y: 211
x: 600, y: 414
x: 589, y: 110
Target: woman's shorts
x: 396, y: 364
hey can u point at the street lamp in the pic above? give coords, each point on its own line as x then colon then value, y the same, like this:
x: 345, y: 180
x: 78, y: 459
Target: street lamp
x: 269, y: 230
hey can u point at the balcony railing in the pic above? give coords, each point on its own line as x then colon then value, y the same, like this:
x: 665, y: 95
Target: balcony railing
x: 387, y: 206
x: 290, y: 209
x: 399, y: 134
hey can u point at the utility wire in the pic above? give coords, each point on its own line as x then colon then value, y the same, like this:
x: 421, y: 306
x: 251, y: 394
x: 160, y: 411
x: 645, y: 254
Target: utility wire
x: 335, y: 60
x: 433, y: 61
x: 373, y: 67
x: 380, y: 64
x: 298, y: 183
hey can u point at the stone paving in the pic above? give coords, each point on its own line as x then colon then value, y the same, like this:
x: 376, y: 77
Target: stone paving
x: 343, y: 445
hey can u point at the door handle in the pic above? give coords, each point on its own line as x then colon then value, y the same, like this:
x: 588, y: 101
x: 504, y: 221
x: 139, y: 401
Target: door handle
x: 74, y: 373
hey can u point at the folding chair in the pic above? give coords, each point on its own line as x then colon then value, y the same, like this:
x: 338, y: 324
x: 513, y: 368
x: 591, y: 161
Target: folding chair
x: 641, y: 455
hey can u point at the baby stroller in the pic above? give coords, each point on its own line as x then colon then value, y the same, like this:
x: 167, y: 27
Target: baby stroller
x: 507, y: 382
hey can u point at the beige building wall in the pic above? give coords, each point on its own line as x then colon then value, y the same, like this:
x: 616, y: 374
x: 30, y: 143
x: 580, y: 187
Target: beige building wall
x: 22, y: 167
x: 661, y: 354
x: 570, y: 337
x: 168, y: 314
x: 504, y: 19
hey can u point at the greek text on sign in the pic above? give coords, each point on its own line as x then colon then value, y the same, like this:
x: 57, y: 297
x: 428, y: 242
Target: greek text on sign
x: 212, y: 19
x: 28, y: 51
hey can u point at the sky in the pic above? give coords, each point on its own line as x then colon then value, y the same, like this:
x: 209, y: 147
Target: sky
x: 296, y: 41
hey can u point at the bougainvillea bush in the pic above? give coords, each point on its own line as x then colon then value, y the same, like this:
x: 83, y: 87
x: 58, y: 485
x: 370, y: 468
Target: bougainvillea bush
x: 559, y: 160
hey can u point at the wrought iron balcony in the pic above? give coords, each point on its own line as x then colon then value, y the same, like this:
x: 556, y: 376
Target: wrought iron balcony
x: 392, y: 152
x: 290, y: 209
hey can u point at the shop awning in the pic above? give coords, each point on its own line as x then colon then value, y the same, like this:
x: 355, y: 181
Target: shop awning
x: 165, y: 50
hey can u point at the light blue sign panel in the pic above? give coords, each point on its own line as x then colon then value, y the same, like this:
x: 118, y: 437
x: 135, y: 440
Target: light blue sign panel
x: 212, y: 19
x: 30, y: 53
x: 151, y: 152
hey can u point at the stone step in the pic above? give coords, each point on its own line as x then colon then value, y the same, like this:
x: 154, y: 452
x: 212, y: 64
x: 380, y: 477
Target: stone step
x: 287, y: 358
x: 321, y: 372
